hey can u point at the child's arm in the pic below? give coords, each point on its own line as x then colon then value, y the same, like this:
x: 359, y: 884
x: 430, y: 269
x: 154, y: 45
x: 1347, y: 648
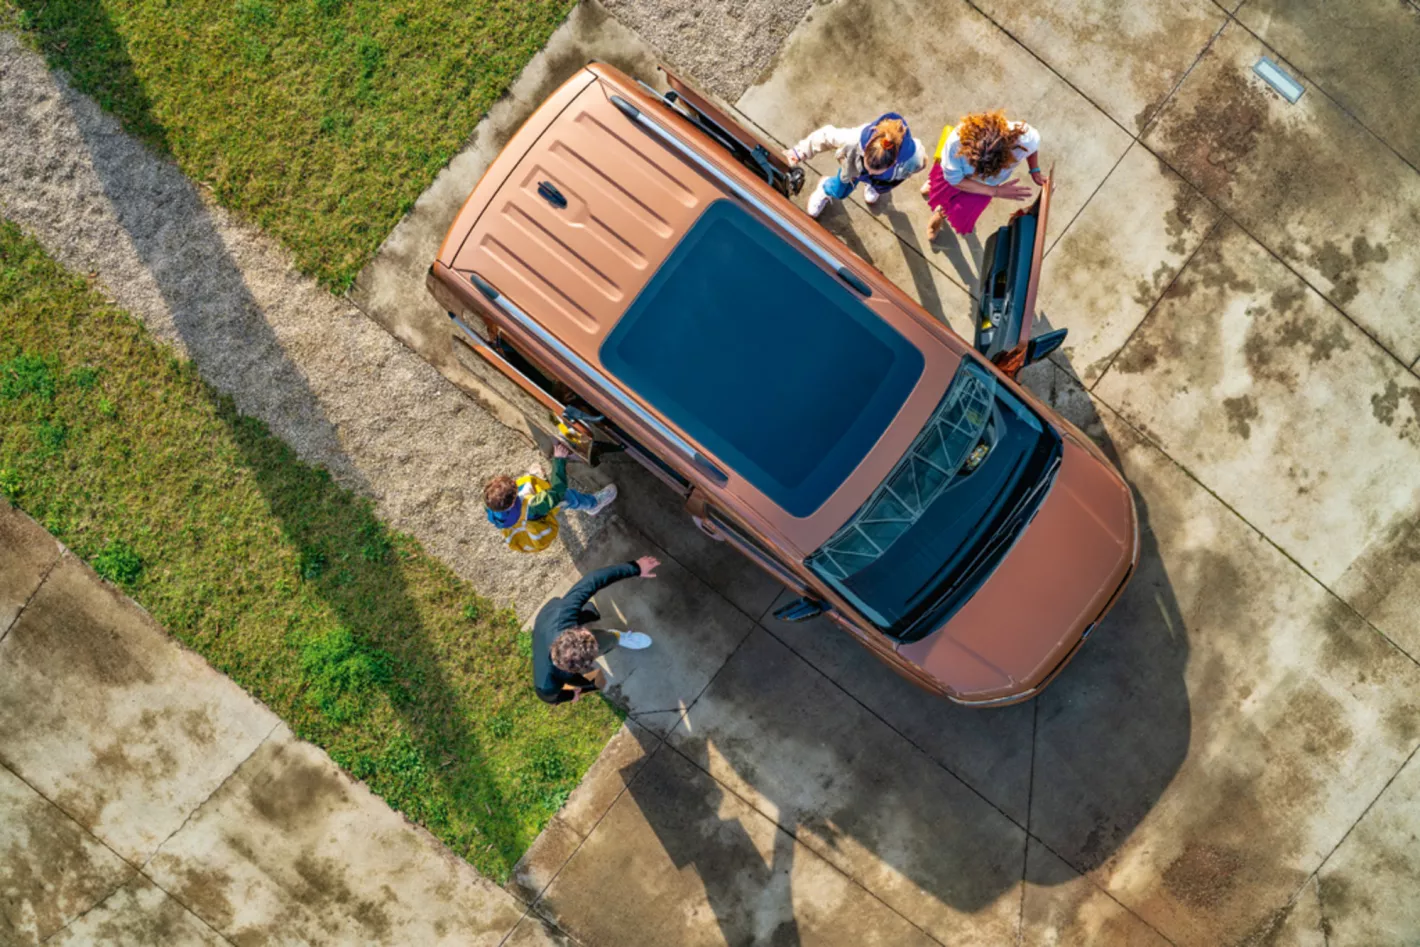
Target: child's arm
x: 826, y: 138
x: 543, y: 503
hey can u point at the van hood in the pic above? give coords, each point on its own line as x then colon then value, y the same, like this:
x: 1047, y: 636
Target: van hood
x: 1045, y: 594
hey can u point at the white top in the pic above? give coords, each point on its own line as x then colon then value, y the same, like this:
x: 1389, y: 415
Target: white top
x: 955, y: 168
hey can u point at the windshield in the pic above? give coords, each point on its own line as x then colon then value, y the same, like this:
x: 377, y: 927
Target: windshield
x: 947, y: 513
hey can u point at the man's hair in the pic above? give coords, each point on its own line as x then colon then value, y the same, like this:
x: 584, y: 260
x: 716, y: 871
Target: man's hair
x: 988, y: 141
x: 575, y: 651
x: 884, y: 144
x: 500, y: 493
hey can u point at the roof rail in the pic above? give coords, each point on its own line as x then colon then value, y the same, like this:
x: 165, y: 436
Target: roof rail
x: 598, y: 380
x: 743, y: 193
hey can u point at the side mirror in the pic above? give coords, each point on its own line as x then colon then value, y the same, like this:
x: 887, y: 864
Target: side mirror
x: 1042, y: 345
x: 800, y: 609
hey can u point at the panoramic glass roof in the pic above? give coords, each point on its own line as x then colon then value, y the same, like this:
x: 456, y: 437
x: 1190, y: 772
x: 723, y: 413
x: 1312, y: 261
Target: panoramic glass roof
x: 771, y: 363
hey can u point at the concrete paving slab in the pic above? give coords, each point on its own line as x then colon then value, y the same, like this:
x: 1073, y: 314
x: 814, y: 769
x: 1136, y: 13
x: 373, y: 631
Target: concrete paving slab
x: 102, y: 714
x: 1288, y: 412
x: 1306, y: 180
x: 390, y: 289
x: 682, y: 860
x: 990, y: 752
x: 139, y: 914
x: 1118, y: 257
x: 851, y: 60
x: 1296, y: 713
x: 1075, y: 911
x: 776, y: 734
x: 1125, y: 57
x: 291, y: 849
x: 27, y: 553
x: 694, y: 630
x: 1362, y: 53
x: 1368, y: 887
x: 659, y: 513
x: 51, y: 870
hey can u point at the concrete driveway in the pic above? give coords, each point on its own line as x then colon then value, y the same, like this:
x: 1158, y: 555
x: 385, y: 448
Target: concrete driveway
x: 1231, y: 760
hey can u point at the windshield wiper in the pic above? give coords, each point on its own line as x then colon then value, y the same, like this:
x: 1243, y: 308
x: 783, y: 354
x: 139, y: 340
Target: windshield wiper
x: 1009, y: 529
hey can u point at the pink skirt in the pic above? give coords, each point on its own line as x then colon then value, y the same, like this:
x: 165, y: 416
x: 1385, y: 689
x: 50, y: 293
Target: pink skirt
x: 962, y: 208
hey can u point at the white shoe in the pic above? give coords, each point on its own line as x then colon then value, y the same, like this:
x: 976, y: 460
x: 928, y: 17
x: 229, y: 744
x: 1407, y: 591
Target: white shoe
x: 818, y: 200
x: 871, y: 194
x: 604, y: 497
x: 633, y: 640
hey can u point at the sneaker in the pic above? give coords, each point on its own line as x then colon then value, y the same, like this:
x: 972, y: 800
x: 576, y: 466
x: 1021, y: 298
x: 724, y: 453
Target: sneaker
x: 818, y: 200
x: 633, y: 640
x: 871, y: 194
x: 604, y: 497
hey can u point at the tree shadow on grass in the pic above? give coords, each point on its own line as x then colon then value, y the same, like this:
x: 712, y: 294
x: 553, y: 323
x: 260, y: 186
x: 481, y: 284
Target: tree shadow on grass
x: 433, y: 765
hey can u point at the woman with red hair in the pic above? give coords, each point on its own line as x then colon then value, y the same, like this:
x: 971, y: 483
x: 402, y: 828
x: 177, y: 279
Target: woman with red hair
x: 977, y: 159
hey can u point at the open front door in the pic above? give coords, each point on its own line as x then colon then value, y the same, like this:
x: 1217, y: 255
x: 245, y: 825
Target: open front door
x: 1010, y: 275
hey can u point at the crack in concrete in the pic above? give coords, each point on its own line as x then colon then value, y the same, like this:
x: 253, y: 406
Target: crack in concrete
x: 63, y: 552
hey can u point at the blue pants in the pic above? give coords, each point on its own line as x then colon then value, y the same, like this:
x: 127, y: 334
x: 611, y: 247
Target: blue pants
x: 576, y: 500
x: 839, y: 189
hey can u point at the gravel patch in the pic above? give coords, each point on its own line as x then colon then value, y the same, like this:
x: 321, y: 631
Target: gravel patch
x: 722, y: 45
x: 331, y: 383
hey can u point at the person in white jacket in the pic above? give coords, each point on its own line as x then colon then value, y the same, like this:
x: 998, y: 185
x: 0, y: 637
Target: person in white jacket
x: 979, y: 158
x: 879, y: 155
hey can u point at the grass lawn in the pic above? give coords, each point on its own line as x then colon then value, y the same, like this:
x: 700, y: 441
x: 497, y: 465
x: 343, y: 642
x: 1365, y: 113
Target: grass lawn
x: 360, y: 640
x: 322, y: 120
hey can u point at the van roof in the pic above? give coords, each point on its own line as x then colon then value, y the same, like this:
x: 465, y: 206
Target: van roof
x: 774, y: 366
x: 805, y: 392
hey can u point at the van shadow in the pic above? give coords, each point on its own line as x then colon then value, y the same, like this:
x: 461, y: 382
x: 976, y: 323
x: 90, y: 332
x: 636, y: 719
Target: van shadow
x: 938, y: 795
x: 348, y: 557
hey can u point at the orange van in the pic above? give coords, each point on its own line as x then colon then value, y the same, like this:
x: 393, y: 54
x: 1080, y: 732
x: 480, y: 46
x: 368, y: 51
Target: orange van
x: 632, y: 268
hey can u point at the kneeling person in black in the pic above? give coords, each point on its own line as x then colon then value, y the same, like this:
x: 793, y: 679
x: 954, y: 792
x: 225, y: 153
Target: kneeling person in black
x: 565, y: 650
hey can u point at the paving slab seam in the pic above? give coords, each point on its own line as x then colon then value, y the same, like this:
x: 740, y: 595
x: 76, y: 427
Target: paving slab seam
x: 127, y: 879
x: 527, y: 913
x: 63, y: 552
x: 1089, y: 200
x: 1053, y: 71
x: 795, y: 836
x: 1154, y: 305
x: 1322, y: 89
x: 1321, y: 905
x: 1030, y: 798
x: 1248, y: 523
x: 949, y: 771
x: 537, y: 899
x: 1138, y: 138
x: 134, y: 871
x: 198, y: 808
x: 1399, y: 360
